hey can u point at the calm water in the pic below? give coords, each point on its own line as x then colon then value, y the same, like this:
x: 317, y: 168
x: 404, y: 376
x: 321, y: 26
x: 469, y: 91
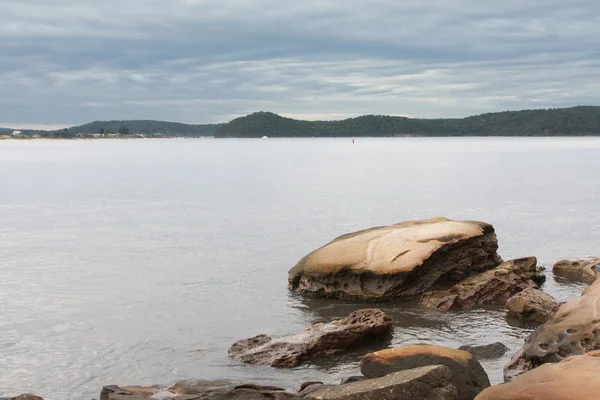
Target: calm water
x: 140, y: 262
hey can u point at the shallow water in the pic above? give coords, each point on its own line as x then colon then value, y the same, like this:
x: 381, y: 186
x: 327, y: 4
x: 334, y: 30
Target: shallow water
x: 142, y: 261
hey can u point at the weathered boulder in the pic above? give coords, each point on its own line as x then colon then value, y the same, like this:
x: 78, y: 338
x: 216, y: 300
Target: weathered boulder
x: 396, y: 261
x: 467, y: 375
x: 426, y: 383
x: 23, y: 397
x: 532, y: 305
x: 574, y: 330
x: 290, y: 351
x: 226, y: 390
x: 487, y: 351
x: 573, y: 378
x: 488, y: 287
x: 578, y: 270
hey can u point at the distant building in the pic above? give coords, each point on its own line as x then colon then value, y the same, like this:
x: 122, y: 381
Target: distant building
x: 17, y: 133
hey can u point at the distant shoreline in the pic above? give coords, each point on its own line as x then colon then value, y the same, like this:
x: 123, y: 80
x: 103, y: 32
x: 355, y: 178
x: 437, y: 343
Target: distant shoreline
x: 27, y: 139
x: 573, y: 121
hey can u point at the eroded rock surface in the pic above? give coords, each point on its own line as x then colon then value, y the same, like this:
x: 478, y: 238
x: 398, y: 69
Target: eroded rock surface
x: 573, y: 378
x: 579, y: 270
x: 532, y: 305
x: 289, y: 351
x: 397, y: 261
x: 426, y: 383
x: 487, y: 351
x: 574, y: 330
x: 493, y: 286
x: 467, y: 375
x: 207, y: 390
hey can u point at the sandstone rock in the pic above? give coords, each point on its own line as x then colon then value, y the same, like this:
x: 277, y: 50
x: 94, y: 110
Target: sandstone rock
x: 488, y: 287
x: 579, y: 270
x: 205, y: 390
x: 493, y: 350
x: 467, y: 375
x: 426, y: 383
x: 396, y: 261
x: 142, y: 391
x: 208, y: 390
x: 573, y: 378
x: 290, y: 351
x: 112, y: 389
x: 351, y: 379
x: 532, y: 305
x: 310, y: 387
x: 574, y: 330
x: 163, y: 395
x: 114, y: 392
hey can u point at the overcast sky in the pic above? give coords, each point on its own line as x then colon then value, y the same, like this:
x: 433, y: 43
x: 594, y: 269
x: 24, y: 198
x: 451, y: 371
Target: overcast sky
x: 66, y: 62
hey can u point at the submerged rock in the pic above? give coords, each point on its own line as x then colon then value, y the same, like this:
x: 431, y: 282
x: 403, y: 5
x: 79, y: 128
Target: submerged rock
x: 467, y: 375
x: 426, y: 383
x: 290, y: 351
x: 488, y: 351
x: 573, y: 378
x: 574, y: 330
x: 532, y: 305
x: 396, y: 261
x: 489, y: 287
x: 578, y: 270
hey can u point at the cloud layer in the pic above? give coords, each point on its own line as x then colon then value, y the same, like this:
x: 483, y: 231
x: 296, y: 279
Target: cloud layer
x: 73, y: 61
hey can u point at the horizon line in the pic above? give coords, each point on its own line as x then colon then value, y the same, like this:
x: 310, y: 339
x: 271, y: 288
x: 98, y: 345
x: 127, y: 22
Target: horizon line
x: 54, y: 127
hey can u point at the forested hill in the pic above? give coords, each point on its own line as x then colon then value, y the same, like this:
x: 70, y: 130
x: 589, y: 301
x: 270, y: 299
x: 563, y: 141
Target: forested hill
x: 575, y: 121
x: 148, y: 127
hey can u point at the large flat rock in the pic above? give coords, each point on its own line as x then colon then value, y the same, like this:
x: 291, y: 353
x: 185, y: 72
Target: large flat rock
x: 574, y: 330
x: 400, y: 260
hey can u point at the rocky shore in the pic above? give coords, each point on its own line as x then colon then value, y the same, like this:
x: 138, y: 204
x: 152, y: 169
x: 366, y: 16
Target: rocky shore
x: 444, y: 265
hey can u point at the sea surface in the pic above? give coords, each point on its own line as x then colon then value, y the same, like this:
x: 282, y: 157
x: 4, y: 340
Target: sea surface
x: 142, y: 261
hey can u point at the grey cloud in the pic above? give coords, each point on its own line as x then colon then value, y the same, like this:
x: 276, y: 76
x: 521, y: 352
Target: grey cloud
x: 69, y: 61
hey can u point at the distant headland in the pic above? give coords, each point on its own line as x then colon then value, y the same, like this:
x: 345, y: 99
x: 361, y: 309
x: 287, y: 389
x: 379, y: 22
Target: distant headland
x: 574, y: 121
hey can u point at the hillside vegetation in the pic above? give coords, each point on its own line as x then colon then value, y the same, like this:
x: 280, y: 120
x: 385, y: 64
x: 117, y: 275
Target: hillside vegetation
x: 575, y: 121
x: 148, y: 127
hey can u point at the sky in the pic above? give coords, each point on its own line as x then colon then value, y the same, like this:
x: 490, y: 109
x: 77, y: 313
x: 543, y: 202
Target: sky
x: 68, y: 62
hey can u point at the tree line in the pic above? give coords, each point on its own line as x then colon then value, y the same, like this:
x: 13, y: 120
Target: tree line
x: 575, y: 121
